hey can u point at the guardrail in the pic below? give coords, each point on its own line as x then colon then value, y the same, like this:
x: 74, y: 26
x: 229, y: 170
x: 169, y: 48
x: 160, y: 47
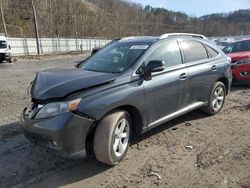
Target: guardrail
x: 27, y: 46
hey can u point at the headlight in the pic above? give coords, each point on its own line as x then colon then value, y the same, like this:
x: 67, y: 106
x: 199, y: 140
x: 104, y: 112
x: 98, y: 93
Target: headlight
x: 243, y: 61
x: 56, y: 108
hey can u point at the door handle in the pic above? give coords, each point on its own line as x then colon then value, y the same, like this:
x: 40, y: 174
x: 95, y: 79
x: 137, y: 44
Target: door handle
x: 183, y: 76
x: 213, y: 68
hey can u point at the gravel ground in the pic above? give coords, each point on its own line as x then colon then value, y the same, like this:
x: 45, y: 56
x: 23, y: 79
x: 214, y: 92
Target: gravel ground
x: 219, y: 156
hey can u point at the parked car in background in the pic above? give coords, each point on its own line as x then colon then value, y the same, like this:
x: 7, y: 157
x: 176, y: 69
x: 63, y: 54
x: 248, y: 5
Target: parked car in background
x: 239, y: 52
x: 221, y: 44
x: 5, y: 53
x: 126, y: 89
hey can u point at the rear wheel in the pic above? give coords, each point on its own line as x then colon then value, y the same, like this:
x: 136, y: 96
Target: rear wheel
x: 112, y: 137
x: 217, y: 99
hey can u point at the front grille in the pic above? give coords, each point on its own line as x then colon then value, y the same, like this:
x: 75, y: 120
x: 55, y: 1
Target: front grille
x: 2, y: 55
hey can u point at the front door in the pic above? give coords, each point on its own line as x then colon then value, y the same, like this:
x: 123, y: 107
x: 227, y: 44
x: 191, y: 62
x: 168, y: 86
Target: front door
x: 166, y: 93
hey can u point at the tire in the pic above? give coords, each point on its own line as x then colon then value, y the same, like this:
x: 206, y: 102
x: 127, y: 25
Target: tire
x: 113, y: 131
x: 217, y: 99
x: 9, y: 60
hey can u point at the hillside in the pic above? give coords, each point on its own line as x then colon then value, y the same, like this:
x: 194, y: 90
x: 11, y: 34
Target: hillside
x: 113, y: 18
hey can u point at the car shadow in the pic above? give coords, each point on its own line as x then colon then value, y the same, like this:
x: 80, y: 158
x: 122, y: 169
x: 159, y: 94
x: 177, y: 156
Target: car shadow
x: 25, y: 161
x: 22, y: 161
x: 197, y: 114
x: 239, y: 87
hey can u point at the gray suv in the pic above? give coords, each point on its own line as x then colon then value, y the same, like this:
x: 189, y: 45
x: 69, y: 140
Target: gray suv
x: 128, y: 87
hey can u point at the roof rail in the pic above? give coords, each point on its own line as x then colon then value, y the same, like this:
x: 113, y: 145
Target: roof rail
x: 133, y: 37
x: 166, y: 35
x: 127, y: 38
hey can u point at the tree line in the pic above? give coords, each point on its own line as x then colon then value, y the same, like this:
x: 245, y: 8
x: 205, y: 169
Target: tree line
x: 113, y: 18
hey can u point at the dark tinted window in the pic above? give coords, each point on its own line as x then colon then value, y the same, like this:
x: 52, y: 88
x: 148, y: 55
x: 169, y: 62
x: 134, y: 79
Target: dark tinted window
x: 237, y: 47
x: 193, y: 51
x: 211, y: 52
x: 168, y: 52
x: 3, y: 44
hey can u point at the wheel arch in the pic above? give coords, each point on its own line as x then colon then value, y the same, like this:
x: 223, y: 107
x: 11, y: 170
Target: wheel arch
x: 224, y: 80
x: 136, y: 118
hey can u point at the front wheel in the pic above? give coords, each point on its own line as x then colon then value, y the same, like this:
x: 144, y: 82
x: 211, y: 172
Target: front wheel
x: 9, y: 60
x: 112, y: 136
x: 217, y: 99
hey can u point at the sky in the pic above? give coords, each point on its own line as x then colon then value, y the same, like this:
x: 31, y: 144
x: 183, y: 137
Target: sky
x: 198, y: 7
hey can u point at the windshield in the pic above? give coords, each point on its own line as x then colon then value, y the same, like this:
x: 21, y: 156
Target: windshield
x: 241, y: 46
x: 3, y: 44
x: 116, y: 57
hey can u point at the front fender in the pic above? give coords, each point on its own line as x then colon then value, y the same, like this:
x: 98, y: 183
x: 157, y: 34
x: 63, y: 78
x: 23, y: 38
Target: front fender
x: 99, y: 104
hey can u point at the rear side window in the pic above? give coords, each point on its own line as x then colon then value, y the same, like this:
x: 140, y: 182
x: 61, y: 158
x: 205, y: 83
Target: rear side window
x: 168, y: 52
x: 193, y: 51
x: 211, y: 52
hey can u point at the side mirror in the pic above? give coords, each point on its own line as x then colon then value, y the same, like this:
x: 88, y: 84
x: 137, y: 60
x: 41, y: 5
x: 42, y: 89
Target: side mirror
x: 9, y: 47
x: 153, y: 66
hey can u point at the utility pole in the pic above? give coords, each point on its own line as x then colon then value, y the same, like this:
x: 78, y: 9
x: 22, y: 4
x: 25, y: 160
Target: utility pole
x: 36, y: 28
x: 76, y: 27
x: 4, y: 24
x: 75, y: 30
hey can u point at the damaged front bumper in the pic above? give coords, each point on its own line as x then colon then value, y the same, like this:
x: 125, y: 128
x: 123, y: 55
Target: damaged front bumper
x: 65, y: 134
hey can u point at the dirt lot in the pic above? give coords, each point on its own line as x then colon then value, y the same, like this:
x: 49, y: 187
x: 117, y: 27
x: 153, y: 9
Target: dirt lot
x: 219, y: 156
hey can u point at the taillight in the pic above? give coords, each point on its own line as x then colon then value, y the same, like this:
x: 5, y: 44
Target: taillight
x: 229, y: 59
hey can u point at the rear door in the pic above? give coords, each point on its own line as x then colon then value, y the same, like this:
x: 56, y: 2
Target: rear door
x: 203, y: 63
x: 166, y: 93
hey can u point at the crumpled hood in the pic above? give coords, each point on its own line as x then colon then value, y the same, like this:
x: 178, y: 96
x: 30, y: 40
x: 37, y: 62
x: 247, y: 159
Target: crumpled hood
x: 58, y: 83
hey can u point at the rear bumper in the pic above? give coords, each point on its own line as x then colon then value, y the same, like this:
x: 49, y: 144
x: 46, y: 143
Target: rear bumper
x: 64, y: 134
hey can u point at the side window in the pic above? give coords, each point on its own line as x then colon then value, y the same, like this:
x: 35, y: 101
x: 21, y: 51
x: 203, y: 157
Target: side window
x: 194, y: 51
x: 168, y: 52
x: 244, y: 46
x: 211, y: 52
x: 228, y: 49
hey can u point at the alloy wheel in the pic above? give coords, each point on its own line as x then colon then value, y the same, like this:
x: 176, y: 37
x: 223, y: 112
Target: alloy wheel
x: 218, y: 98
x: 121, y: 137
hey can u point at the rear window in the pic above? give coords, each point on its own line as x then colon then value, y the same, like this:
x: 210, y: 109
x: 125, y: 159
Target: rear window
x: 193, y: 51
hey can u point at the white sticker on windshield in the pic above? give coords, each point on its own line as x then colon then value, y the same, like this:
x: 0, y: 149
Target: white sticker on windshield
x: 139, y: 47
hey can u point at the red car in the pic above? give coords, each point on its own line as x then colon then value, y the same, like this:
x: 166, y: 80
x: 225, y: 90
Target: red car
x: 239, y: 52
